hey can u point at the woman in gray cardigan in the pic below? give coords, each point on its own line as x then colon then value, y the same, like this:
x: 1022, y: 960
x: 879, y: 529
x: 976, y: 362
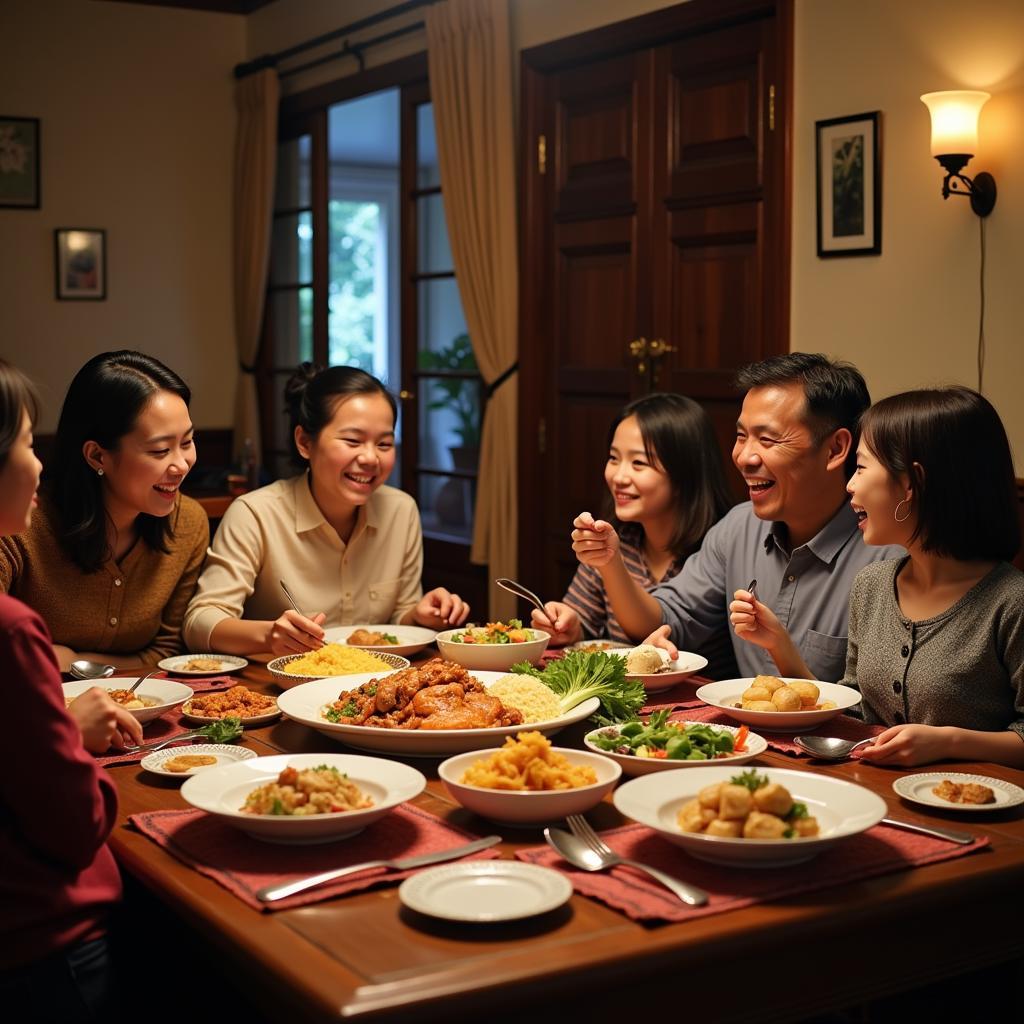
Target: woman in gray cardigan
x: 936, y: 641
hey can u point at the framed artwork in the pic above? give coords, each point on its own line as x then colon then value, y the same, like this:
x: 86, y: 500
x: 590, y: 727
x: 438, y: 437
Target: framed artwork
x: 849, y: 178
x: 81, y: 263
x: 19, y: 162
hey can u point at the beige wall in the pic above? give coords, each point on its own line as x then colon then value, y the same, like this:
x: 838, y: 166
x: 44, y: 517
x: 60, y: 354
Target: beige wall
x: 137, y: 114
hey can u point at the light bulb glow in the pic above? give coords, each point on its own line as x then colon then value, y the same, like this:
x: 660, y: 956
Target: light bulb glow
x: 954, y: 120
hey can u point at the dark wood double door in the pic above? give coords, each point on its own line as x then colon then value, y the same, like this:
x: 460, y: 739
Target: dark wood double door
x: 655, y: 239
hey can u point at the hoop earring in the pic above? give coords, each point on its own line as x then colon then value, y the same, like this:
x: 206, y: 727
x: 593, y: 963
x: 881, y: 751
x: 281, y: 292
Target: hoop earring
x: 99, y: 472
x: 896, y: 512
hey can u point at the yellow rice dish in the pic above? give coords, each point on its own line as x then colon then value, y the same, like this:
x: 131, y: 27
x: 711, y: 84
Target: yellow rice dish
x: 528, y: 763
x: 301, y: 791
x: 336, y: 660
x: 529, y: 696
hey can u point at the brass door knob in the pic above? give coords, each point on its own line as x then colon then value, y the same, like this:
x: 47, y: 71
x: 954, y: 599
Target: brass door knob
x: 658, y: 347
x: 406, y: 396
x: 638, y: 351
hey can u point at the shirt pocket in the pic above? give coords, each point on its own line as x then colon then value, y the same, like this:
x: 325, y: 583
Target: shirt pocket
x: 381, y: 598
x: 825, y: 655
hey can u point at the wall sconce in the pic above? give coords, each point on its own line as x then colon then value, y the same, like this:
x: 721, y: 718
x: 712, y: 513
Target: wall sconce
x: 955, y: 141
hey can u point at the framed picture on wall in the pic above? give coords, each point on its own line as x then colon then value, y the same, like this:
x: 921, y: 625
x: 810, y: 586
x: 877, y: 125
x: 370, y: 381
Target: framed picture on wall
x: 81, y: 263
x: 19, y: 162
x: 849, y: 178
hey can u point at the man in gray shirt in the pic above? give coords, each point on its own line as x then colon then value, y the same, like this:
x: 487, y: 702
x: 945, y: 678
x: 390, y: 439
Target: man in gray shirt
x: 796, y: 441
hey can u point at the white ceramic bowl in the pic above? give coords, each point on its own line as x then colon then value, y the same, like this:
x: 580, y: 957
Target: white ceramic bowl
x: 305, y: 703
x: 842, y: 809
x: 512, y: 807
x: 395, y: 661
x: 167, y: 693
x: 222, y: 790
x: 411, y: 639
x: 633, y: 765
x: 728, y: 692
x: 492, y: 657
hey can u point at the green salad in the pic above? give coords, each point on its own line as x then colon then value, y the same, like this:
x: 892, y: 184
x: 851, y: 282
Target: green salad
x: 674, y: 741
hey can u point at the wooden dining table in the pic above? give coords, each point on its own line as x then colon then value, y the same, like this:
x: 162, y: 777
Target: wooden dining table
x: 365, y: 956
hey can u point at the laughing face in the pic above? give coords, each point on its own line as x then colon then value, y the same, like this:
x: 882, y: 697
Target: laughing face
x: 640, y: 487
x: 353, y: 454
x: 19, y: 481
x: 874, y: 496
x: 143, y: 473
x: 790, y: 477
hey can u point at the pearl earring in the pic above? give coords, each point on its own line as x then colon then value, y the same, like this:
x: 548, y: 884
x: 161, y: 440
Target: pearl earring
x: 99, y: 472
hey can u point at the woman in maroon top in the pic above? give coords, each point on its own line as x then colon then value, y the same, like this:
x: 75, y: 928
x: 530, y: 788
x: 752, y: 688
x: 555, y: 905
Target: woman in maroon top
x: 58, y: 879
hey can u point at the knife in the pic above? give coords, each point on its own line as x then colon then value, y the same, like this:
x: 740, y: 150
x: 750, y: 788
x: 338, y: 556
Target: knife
x: 963, y: 838
x: 270, y: 893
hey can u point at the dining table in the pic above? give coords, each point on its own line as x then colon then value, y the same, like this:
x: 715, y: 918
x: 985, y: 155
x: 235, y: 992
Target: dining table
x: 365, y: 956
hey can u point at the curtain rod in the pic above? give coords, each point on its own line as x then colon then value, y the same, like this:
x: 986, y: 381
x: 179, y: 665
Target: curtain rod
x: 271, y: 60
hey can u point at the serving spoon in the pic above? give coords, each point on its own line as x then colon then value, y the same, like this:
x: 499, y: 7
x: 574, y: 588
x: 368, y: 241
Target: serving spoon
x: 830, y: 748
x: 84, y: 669
x: 520, y: 591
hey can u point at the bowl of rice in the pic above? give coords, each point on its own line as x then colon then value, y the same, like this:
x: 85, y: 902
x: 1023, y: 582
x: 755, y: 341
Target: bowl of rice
x: 333, y: 660
x: 527, y: 782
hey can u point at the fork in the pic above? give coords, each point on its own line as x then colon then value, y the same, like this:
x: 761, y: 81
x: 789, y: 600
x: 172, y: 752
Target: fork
x: 160, y: 744
x: 580, y: 827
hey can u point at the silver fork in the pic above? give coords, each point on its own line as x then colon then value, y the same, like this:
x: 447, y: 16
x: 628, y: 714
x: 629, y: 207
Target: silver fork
x: 580, y: 827
x: 160, y: 744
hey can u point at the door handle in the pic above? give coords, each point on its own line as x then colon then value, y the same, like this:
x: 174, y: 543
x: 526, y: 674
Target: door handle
x: 657, y: 349
x: 638, y: 352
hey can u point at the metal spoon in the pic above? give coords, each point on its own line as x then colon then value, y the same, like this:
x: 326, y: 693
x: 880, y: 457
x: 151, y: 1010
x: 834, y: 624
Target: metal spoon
x: 520, y: 591
x: 580, y: 855
x: 90, y: 670
x: 830, y: 748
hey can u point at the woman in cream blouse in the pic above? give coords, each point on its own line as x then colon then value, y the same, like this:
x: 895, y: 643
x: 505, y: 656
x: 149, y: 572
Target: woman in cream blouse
x: 349, y: 548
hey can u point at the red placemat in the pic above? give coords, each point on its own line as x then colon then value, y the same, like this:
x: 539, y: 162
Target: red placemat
x: 879, y: 851
x: 243, y: 865
x: 199, y: 685
x: 162, y: 728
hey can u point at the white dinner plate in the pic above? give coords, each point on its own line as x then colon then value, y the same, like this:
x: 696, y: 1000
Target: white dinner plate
x: 165, y: 693
x: 228, y: 663
x: 411, y: 639
x: 599, y: 646
x: 221, y: 791
x: 672, y: 672
x: 918, y: 789
x: 727, y: 693
x: 842, y: 809
x: 633, y: 765
x: 305, y: 703
x: 251, y: 721
x: 225, y: 753
x: 485, y: 890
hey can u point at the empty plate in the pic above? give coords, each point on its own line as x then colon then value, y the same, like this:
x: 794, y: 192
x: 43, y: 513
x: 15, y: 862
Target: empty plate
x: 485, y: 890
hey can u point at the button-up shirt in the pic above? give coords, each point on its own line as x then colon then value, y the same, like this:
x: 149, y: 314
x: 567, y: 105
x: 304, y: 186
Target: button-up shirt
x: 279, y: 533
x: 808, y: 588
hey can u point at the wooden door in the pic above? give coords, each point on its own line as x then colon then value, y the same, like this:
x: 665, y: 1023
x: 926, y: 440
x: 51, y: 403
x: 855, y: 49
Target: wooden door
x: 648, y: 177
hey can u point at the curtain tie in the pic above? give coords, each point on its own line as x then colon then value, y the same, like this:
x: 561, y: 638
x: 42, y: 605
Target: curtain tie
x: 498, y: 381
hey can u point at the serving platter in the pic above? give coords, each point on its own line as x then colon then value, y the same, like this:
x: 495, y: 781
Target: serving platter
x: 728, y: 692
x: 411, y: 639
x: 304, y: 703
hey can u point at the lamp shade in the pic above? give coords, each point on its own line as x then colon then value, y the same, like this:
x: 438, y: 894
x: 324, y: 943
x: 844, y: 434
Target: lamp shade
x: 954, y: 121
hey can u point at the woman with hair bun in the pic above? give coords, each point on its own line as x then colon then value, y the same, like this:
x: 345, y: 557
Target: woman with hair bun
x: 349, y: 548
x: 113, y: 554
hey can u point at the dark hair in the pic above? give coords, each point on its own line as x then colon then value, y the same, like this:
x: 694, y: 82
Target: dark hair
x: 835, y: 392
x: 951, y: 444
x: 313, y: 394
x: 678, y: 436
x: 103, y: 404
x: 17, y: 396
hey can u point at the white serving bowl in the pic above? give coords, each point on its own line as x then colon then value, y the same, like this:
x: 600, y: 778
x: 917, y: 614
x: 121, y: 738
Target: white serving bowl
x: 221, y: 791
x: 305, y: 703
x: 728, y: 692
x: 411, y: 639
x: 395, y: 661
x: 633, y: 765
x: 842, y: 809
x: 492, y: 657
x: 167, y: 693
x: 515, y: 807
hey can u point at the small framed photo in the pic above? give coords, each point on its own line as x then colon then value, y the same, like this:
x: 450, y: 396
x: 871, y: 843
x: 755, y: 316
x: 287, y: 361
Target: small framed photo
x: 19, y: 162
x: 81, y: 261
x: 849, y: 178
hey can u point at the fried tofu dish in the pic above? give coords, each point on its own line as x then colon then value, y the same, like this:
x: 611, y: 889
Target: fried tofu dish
x: 436, y: 695
x: 964, y: 793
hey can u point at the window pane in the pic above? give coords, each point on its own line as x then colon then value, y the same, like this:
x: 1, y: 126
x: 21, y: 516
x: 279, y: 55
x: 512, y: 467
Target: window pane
x: 446, y: 507
x: 428, y: 173
x: 357, y: 320
x: 291, y: 187
x: 440, y: 316
x: 435, y: 254
x: 292, y: 325
x: 449, y: 423
x: 291, y: 254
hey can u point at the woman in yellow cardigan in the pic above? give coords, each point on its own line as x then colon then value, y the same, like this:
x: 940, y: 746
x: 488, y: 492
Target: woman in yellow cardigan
x: 114, y: 550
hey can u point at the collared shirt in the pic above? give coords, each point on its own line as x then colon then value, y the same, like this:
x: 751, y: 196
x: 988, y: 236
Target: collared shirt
x: 279, y: 533
x: 807, y: 588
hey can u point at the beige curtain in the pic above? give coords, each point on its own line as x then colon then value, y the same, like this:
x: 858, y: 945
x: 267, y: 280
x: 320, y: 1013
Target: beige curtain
x: 470, y: 62
x: 256, y: 99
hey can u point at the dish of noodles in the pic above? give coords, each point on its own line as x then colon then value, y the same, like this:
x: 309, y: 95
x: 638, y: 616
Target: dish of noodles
x: 527, y: 762
x: 321, y: 789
